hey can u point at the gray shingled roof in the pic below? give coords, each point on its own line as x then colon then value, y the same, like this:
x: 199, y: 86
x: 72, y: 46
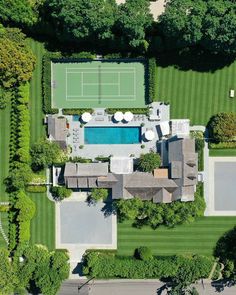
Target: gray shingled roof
x: 57, y: 130
x: 86, y: 169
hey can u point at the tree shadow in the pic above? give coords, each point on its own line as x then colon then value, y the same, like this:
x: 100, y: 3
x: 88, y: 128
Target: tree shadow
x: 194, y: 58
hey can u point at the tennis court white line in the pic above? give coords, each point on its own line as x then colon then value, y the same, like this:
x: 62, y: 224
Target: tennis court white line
x: 101, y: 84
x: 119, y: 82
x: 82, y: 84
x: 105, y: 95
x: 108, y: 69
x: 95, y: 99
x: 101, y: 72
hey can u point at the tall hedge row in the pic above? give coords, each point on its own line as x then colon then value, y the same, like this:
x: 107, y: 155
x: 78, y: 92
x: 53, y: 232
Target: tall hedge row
x: 107, y: 265
x: 19, y: 221
x: 152, y: 79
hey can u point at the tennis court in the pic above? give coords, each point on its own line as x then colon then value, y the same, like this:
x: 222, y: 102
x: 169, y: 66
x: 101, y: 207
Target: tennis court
x: 98, y: 84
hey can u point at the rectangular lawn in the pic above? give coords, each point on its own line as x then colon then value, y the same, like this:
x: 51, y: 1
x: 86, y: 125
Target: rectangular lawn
x: 198, y: 237
x: 98, y: 84
x: 196, y: 94
x: 43, y: 224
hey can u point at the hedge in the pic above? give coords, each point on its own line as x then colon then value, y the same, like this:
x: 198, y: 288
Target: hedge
x: 107, y: 266
x: 36, y: 188
x: 223, y: 145
x: 138, y: 111
x: 76, y: 111
x: 152, y: 79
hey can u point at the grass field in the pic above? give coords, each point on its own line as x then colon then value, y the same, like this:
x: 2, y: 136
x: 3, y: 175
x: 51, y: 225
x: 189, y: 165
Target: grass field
x: 196, y: 94
x: 4, y: 220
x: 4, y: 149
x: 43, y: 224
x: 222, y: 152
x: 37, y: 129
x: 198, y: 237
x: 98, y: 84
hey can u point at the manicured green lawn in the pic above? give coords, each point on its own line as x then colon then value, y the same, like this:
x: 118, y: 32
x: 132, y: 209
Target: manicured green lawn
x: 198, y: 237
x: 4, y: 149
x: 222, y: 152
x: 193, y: 94
x: 4, y: 220
x: 43, y: 224
x: 36, y: 110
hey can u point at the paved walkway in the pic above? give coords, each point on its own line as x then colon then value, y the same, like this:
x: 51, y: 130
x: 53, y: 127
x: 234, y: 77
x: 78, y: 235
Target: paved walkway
x: 2, y: 231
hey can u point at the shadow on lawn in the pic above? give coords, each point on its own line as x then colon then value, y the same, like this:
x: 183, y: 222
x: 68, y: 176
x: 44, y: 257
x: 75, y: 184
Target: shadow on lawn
x: 195, y: 59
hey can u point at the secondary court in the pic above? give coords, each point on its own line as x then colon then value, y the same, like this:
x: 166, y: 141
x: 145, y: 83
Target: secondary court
x: 98, y: 84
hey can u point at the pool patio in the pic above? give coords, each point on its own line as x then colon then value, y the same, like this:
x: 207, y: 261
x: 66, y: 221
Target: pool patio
x: 101, y: 119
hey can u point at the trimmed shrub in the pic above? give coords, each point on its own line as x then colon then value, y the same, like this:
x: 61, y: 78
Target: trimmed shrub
x: 148, y: 162
x: 76, y: 111
x: 143, y: 253
x: 152, y: 79
x: 60, y: 192
x: 4, y: 208
x: 106, y: 266
x: 36, y: 188
x: 137, y: 111
x: 98, y: 194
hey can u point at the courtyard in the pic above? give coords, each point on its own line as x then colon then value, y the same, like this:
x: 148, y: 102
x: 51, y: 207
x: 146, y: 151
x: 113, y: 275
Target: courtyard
x: 222, y: 198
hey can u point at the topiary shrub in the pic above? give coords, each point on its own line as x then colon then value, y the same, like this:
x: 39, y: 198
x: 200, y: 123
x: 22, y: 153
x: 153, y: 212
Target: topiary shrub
x: 143, y: 253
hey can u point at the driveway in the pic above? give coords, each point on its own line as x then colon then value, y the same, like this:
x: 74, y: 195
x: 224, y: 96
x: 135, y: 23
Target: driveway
x: 81, y: 226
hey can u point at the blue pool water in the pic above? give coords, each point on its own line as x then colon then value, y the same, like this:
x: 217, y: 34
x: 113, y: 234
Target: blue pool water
x: 76, y: 117
x: 112, y: 135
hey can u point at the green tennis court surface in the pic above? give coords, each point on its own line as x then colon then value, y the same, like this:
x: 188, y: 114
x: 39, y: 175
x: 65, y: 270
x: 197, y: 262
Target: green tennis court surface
x: 98, y: 84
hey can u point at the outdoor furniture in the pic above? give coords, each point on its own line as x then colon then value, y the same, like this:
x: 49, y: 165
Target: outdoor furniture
x: 231, y: 93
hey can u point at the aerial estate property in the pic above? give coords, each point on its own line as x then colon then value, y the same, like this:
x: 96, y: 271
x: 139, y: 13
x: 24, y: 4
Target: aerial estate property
x: 117, y: 146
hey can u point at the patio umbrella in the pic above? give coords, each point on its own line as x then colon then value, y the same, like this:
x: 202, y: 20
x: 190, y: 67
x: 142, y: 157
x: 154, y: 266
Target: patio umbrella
x: 128, y: 116
x: 86, y: 117
x: 149, y: 135
x: 118, y: 116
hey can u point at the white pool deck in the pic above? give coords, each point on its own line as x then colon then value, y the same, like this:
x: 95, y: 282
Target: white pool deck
x: 101, y: 119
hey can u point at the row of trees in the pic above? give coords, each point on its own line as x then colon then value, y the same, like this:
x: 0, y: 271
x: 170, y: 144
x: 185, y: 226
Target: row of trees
x: 33, y: 268
x: 184, y: 22
x: 148, y: 213
x: 16, y: 59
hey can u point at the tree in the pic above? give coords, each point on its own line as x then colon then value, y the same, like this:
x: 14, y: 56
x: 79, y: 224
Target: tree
x: 20, y: 12
x: 60, y: 192
x: 129, y: 209
x: 16, y: 59
x: 98, y: 194
x: 222, y: 127
x: 26, y: 207
x: 208, y: 23
x: 134, y: 19
x: 83, y: 19
x: 148, y: 162
x: 8, y: 279
x: 143, y: 253
x: 44, y: 154
x: 19, y: 176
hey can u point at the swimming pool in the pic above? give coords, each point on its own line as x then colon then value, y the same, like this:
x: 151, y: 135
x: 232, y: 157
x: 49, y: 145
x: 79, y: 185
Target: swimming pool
x: 112, y: 135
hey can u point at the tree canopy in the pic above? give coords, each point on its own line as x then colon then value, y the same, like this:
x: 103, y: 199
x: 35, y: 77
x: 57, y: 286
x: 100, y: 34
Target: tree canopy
x: 222, y: 127
x: 16, y: 59
x: 134, y: 19
x: 83, y: 19
x: 60, y: 192
x: 44, y: 153
x: 148, y: 162
x: 20, y: 12
x: 208, y: 23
